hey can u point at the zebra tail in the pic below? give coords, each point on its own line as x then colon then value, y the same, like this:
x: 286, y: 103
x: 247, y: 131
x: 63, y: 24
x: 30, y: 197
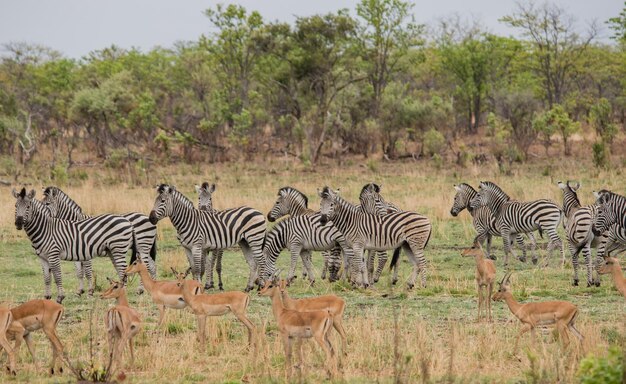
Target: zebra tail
x: 396, y: 256
x: 153, y: 250
x: 133, y: 255
x: 540, y: 232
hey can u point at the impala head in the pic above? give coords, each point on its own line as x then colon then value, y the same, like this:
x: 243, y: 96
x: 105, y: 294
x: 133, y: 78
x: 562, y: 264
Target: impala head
x: 180, y: 276
x: 462, y: 197
x: 503, y: 287
x: 163, y: 204
x: 270, y: 285
x: 327, y: 204
x: 610, y: 263
x: 51, y: 200
x: 115, y: 289
x: 475, y: 250
x: 136, y: 267
x: 205, y: 196
x: 191, y: 285
x: 371, y: 200
x: 23, y: 210
x: 604, y: 219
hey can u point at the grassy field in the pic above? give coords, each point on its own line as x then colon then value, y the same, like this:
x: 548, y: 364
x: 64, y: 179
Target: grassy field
x: 423, y: 335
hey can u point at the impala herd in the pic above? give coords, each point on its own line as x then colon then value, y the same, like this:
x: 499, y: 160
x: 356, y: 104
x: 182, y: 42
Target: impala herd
x: 311, y: 317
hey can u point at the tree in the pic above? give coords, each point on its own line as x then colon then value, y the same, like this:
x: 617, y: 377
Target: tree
x: 600, y: 118
x: 618, y: 25
x: 556, y: 46
x: 518, y: 107
x: 557, y: 120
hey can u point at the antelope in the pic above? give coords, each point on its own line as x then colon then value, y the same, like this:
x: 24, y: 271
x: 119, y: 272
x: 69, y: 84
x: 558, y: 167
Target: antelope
x: 485, y: 276
x: 6, y: 318
x: 611, y: 265
x: 333, y: 304
x: 217, y: 304
x: 562, y: 314
x: 299, y: 325
x: 122, y: 322
x: 165, y: 294
x: 32, y: 316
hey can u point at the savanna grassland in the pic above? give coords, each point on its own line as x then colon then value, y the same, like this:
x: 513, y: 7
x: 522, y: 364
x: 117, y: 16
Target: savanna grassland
x: 423, y: 335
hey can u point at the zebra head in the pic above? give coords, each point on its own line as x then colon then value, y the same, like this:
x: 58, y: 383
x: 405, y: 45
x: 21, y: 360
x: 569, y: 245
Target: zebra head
x: 23, y: 211
x: 163, y: 204
x: 605, y: 216
x: 51, y: 200
x: 288, y: 199
x: 205, y: 196
x: 464, y: 194
x: 371, y: 200
x: 327, y: 204
x: 490, y: 195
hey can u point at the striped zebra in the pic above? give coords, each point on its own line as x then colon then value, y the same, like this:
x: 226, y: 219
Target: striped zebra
x: 62, y: 206
x: 301, y: 235
x: 56, y: 239
x: 513, y: 217
x: 205, y: 203
x: 199, y: 231
x: 580, y: 237
x: 484, y: 221
x: 294, y: 203
x: 364, y: 231
x: 378, y: 207
x: 610, y: 219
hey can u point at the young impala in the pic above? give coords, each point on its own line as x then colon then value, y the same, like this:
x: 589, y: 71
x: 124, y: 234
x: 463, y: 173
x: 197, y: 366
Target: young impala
x: 32, y: 316
x: 611, y: 265
x: 485, y: 277
x: 122, y: 322
x: 333, y: 304
x: 165, y: 294
x: 561, y: 314
x: 216, y: 304
x: 295, y: 325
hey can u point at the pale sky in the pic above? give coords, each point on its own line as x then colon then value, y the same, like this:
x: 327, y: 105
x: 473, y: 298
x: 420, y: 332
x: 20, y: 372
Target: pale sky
x: 76, y: 27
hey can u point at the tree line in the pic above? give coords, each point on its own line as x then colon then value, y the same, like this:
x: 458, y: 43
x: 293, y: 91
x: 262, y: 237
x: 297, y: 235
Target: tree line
x: 369, y: 82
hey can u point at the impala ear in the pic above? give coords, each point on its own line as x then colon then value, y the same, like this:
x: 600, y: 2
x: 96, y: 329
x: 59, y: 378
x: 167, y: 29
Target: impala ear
x: 109, y: 280
x: 187, y: 273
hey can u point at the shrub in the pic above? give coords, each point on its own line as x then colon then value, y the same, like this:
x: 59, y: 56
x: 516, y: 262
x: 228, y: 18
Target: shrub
x: 601, y: 157
x: 605, y: 370
x: 434, y: 142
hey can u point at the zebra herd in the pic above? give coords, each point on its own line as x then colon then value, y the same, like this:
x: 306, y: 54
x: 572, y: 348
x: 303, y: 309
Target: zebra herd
x: 59, y: 230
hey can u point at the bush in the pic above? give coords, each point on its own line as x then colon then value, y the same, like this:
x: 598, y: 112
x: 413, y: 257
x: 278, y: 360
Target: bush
x: 601, y: 158
x: 434, y: 142
x: 605, y: 370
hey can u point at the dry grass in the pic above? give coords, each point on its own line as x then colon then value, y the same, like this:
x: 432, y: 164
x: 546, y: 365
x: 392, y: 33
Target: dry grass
x: 426, y: 335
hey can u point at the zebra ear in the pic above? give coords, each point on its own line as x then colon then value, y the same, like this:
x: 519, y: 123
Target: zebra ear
x: 212, y: 188
x: 171, y: 189
x: 560, y: 184
x: 198, y: 188
x: 596, y: 195
x: 31, y: 194
x: 576, y: 186
x: 457, y: 188
x: 15, y: 194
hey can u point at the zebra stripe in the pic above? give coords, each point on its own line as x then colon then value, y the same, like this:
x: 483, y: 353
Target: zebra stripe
x: 199, y: 231
x: 513, y: 217
x: 578, y: 223
x: 62, y: 206
x: 484, y: 221
x: 55, y: 239
x: 205, y: 203
x: 365, y: 231
x: 294, y: 203
x: 301, y: 235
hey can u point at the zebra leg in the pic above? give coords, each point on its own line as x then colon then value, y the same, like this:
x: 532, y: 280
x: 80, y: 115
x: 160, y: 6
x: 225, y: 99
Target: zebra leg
x: 506, y: 241
x: 519, y: 239
x: 589, y: 264
x: 370, y: 264
x: 334, y: 263
x: 308, y: 265
x: 45, y: 268
x: 79, y: 275
x: 295, y: 250
x: 55, y: 267
x: 209, y: 270
x: 196, y: 269
x: 218, y: 256
x: 358, y: 271
x: 533, y: 247
x: 382, y: 261
x: 574, y: 254
x: 253, y: 255
x: 88, y: 268
x: 416, y: 256
x: 325, y: 256
x: 555, y: 241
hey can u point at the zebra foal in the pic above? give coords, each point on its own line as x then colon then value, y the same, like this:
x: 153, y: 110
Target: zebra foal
x: 55, y: 239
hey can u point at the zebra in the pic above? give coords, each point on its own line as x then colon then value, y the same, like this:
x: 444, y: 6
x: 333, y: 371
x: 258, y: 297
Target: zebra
x: 56, y: 239
x: 513, y: 217
x: 62, y: 206
x: 301, y: 235
x: 205, y: 203
x: 378, y: 207
x: 294, y: 203
x: 578, y: 231
x: 484, y: 221
x: 362, y: 231
x: 199, y: 231
x: 611, y: 221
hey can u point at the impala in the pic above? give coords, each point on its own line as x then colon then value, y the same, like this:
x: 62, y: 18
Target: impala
x: 216, y: 304
x: 611, y: 265
x: 122, y: 322
x: 485, y: 277
x: 6, y: 318
x: 295, y: 325
x: 333, y: 304
x: 32, y: 316
x: 561, y: 314
x: 165, y: 294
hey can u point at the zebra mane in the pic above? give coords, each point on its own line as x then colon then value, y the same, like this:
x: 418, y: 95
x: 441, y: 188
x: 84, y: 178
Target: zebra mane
x: 607, y: 196
x: 64, y: 198
x: 492, y: 187
x: 292, y: 190
x: 466, y: 187
x: 183, y: 199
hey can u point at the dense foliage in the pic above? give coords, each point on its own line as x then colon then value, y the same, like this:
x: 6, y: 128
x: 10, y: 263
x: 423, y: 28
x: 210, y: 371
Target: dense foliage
x: 372, y: 81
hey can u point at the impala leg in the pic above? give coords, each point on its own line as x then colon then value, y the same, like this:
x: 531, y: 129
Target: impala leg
x: 201, y: 330
x: 9, y: 350
x: 338, y: 325
x: 287, y: 341
x: 525, y: 328
x: 323, y: 342
x: 480, y: 299
x: 246, y: 321
x: 57, y: 347
x: 161, y: 314
x: 489, y: 293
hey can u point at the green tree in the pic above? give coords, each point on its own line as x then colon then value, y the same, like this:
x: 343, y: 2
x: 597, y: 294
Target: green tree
x: 557, y: 120
x: 618, y: 25
x: 600, y: 118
